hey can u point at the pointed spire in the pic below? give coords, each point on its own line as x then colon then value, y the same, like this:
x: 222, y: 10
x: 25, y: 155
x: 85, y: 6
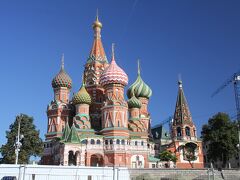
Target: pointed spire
x: 62, y: 62
x: 182, y: 113
x: 179, y: 81
x: 139, y: 71
x: 97, y: 53
x: 113, y: 56
x: 97, y: 15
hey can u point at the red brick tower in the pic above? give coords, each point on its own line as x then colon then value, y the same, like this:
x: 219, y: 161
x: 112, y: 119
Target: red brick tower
x: 139, y: 115
x: 59, y: 110
x: 96, y: 64
x: 185, y: 144
x: 115, y: 112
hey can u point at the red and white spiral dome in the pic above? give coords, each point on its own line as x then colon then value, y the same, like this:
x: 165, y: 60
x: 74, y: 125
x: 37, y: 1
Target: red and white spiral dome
x: 114, y: 75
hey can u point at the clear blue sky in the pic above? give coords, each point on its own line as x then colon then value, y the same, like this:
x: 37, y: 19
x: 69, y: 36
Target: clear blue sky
x: 199, y: 39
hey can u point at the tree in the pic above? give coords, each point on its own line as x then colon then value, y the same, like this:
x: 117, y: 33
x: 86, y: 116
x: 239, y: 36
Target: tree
x: 189, y: 153
x: 221, y: 136
x: 32, y: 144
x: 167, y: 156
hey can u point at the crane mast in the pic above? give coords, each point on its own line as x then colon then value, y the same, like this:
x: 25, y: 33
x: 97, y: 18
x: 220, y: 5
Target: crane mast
x: 237, y: 94
x: 235, y: 79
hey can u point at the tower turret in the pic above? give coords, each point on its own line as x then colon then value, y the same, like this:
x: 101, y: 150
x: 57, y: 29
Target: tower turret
x: 59, y: 111
x: 82, y: 101
x: 114, y: 111
x: 95, y: 66
x: 142, y: 92
x: 134, y: 106
x: 183, y: 127
x: 184, y: 137
x: 62, y: 84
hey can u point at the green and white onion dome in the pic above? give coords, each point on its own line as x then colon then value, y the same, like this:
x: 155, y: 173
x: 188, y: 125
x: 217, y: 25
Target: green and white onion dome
x: 62, y: 79
x: 139, y: 88
x: 133, y: 102
x: 82, y: 96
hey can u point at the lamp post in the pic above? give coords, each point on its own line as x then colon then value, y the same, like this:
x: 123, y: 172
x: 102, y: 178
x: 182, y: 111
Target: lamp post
x: 19, y: 137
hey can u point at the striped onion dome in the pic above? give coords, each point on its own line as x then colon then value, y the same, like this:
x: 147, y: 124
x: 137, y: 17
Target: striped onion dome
x: 113, y: 74
x: 139, y: 88
x: 133, y: 102
x: 82, y: 96
x: 62, y: 79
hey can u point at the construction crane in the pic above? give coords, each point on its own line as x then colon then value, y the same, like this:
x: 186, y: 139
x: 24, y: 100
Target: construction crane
x: 235, y: 79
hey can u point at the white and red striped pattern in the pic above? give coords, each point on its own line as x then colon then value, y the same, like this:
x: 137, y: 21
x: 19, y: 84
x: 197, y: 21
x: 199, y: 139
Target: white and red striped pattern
x: 114, y: 74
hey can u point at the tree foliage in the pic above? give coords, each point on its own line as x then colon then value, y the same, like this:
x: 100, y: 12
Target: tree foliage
x: 220, y: 134
x: 32, y: 144
x: 189, y: 153
x: 167, y: 156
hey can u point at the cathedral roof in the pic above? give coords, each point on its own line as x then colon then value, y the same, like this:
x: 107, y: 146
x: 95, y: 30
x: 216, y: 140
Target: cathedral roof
x: 82, y: 96
x: 73, y: 136
x: 66, y: 132
x: 62, y: 79
x: 97, y: 53
x: 113, y: 74
x: 139, y: 88
x: 182, y: 113
x: 133, y: 102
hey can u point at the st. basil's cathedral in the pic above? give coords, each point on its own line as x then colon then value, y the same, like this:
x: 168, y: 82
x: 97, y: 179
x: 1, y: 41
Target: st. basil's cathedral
x: 99, y: 127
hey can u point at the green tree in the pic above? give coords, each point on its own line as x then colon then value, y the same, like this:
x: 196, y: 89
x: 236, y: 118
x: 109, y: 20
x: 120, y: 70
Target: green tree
x: 221, y: 136
x: 167, y: 156
x: 32, y: 144
x: 189, y: 153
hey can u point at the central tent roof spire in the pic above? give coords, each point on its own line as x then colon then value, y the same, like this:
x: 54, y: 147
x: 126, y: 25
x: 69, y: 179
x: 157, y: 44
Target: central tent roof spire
x: 97, y: 53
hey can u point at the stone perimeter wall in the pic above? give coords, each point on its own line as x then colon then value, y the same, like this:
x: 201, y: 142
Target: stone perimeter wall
x: 181, y: 174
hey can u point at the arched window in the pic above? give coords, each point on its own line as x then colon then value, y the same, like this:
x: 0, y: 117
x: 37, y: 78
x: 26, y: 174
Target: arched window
x: 111, y: 141
x: 148, y: 145
x: 84, y: 141
x: 118, y: 141
x: 92, y: 141
x: 123, y: 142
x: 136, y: 143
x: 118, y: 124
x: 187, y: 131
x: 98, y: 141
x: 106, y: 142
x: 142, y: 143
x: 179, y: 132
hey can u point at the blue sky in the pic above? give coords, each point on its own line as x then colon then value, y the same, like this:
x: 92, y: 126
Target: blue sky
x: 198, y: 39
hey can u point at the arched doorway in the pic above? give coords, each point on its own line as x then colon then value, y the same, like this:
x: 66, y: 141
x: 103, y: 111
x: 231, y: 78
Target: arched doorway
x: 96, y: 160
x: 71, y: 158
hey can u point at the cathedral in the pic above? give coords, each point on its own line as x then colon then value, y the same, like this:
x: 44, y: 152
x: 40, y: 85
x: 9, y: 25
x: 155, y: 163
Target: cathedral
x: 99, y: 127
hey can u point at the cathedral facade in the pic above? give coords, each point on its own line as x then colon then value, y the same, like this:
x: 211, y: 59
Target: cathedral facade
x: 98, y: 126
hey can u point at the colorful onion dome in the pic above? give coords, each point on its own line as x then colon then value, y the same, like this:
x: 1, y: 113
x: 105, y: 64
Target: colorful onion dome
x: 113, y: 74
x: 134, y: 102
x: 62, y: 79
x: 139, y: 88
x: 82, y: 96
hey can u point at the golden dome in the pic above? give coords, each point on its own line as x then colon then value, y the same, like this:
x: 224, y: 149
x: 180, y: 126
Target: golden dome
x: 97, y: 23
